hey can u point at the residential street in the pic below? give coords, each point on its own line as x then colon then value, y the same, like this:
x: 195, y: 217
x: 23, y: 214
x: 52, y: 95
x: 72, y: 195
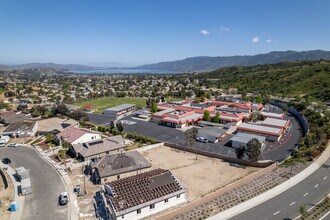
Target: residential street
x: 46, y: 185
x: 286, y: 205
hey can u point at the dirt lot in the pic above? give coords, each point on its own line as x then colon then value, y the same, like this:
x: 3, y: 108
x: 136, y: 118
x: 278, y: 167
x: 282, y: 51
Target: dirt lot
x: 201, y: 176
x: 6, y: 197
x: 85, y: 203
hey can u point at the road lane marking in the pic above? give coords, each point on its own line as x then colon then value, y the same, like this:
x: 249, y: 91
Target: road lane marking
x: 316, y: 185
x: 292, y: 203
x: 324, y: 177
x: 276, y: 213
x: 305, y: 194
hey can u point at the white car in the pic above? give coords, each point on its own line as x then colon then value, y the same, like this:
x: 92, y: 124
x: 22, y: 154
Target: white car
x: 12, y: 145
x: 201, y: 139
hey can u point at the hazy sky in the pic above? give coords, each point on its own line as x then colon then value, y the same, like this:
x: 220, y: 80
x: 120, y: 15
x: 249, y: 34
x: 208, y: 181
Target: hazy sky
x: 143, y: 31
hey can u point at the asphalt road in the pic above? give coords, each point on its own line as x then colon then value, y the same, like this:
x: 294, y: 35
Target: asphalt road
x: 290, y: 140
x: 286, y: 205
x: 46, y: 185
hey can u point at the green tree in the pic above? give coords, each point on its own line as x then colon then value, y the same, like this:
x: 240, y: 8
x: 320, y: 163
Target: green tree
x: 253, y: 149
x: 190, y: 136
x: 240, y: 151
x: 112, y: 125
x: 3, y: 105
x: 154, y: 107
x: 49, y: 138
x: 120, y: 126
x: 216, y: 118
x: 259, y: 99
x: 206, y: 116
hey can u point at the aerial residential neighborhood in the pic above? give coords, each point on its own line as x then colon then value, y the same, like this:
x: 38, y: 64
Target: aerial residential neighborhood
x: 164, y: 110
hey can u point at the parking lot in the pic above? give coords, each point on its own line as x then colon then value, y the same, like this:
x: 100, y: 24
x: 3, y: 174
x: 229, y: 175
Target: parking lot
x: 272, y: 151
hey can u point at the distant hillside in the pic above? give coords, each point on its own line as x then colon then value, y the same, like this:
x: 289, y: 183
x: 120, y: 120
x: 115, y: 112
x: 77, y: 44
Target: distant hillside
x: 44, y: 65
x: 287, y: 78
x: 206, y: 63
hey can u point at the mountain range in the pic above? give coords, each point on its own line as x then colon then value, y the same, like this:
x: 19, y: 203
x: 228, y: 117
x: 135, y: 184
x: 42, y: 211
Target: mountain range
x: 195, y: 64
x: 206, y: 63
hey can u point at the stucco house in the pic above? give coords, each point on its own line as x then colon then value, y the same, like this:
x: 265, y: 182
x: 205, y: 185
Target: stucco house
x: 75, y: 135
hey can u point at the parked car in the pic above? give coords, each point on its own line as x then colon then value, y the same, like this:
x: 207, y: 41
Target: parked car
x: 6, y: 160
x: 201, y: 139
x: 12, y: 145
x: 64, y: 198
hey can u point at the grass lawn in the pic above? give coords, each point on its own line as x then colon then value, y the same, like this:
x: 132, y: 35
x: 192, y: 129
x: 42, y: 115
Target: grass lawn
x: 104, y: 103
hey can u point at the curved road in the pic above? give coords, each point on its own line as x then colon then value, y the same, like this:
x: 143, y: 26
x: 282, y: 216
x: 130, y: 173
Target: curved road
x: 46, y: 185
x: 286, y: 205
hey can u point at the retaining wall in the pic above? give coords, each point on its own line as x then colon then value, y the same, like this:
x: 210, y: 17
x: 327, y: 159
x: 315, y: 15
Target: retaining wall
x: 300, y: 118
x: 4, y: 178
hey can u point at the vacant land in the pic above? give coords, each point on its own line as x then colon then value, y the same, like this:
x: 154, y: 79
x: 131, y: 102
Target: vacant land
x: 201, y: 176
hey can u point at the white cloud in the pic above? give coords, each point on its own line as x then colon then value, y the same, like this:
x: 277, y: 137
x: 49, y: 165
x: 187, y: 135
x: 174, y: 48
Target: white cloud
x: 255, y: 39
x: 269, y: 40
x: 224, y: 29
x: 205, y: 32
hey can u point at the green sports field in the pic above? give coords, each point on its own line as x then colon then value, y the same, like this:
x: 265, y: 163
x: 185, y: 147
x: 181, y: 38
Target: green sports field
x: 104, y: 103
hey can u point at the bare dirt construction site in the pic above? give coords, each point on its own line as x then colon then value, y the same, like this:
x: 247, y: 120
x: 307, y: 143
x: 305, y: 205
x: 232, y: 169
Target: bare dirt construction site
x: 84, y: 202
x: 201, y: 176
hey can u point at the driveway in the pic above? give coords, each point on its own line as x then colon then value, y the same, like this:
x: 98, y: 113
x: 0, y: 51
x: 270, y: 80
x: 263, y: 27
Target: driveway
x: 46, y: 185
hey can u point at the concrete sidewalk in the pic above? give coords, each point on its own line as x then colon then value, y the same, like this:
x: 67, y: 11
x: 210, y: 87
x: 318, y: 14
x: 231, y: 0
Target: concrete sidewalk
x: 229, y: 213
x: 20, y: 199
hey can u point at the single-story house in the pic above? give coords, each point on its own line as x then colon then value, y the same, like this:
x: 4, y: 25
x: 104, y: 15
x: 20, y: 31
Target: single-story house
x: 21, y: 129
x: 212, y: 134
x: 55, y: 125
x: 241, y: 139
x: 117, y: 166
x: 75, y: 135
x: 142, y: 195
x: 98, y: 148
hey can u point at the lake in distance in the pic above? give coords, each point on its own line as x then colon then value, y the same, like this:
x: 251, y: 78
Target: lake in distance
x: 121, y: 71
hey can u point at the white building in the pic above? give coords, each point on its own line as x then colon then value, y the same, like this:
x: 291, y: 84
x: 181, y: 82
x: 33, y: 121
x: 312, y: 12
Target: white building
x: 271, y: 133
x: 75, y: 135
x: 4, y: 140
x: 241, y: 139
x: 142, y: 195
x: 120, y: 109
x: 21, y: 129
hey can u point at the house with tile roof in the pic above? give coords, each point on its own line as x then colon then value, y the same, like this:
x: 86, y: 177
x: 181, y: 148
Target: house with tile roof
x: 142, y: 195
x: 75, y: 135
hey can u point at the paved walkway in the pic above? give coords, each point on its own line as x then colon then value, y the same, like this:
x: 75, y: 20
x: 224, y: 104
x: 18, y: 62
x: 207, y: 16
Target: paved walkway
x: 275, y: 191
x: 20, y: 199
